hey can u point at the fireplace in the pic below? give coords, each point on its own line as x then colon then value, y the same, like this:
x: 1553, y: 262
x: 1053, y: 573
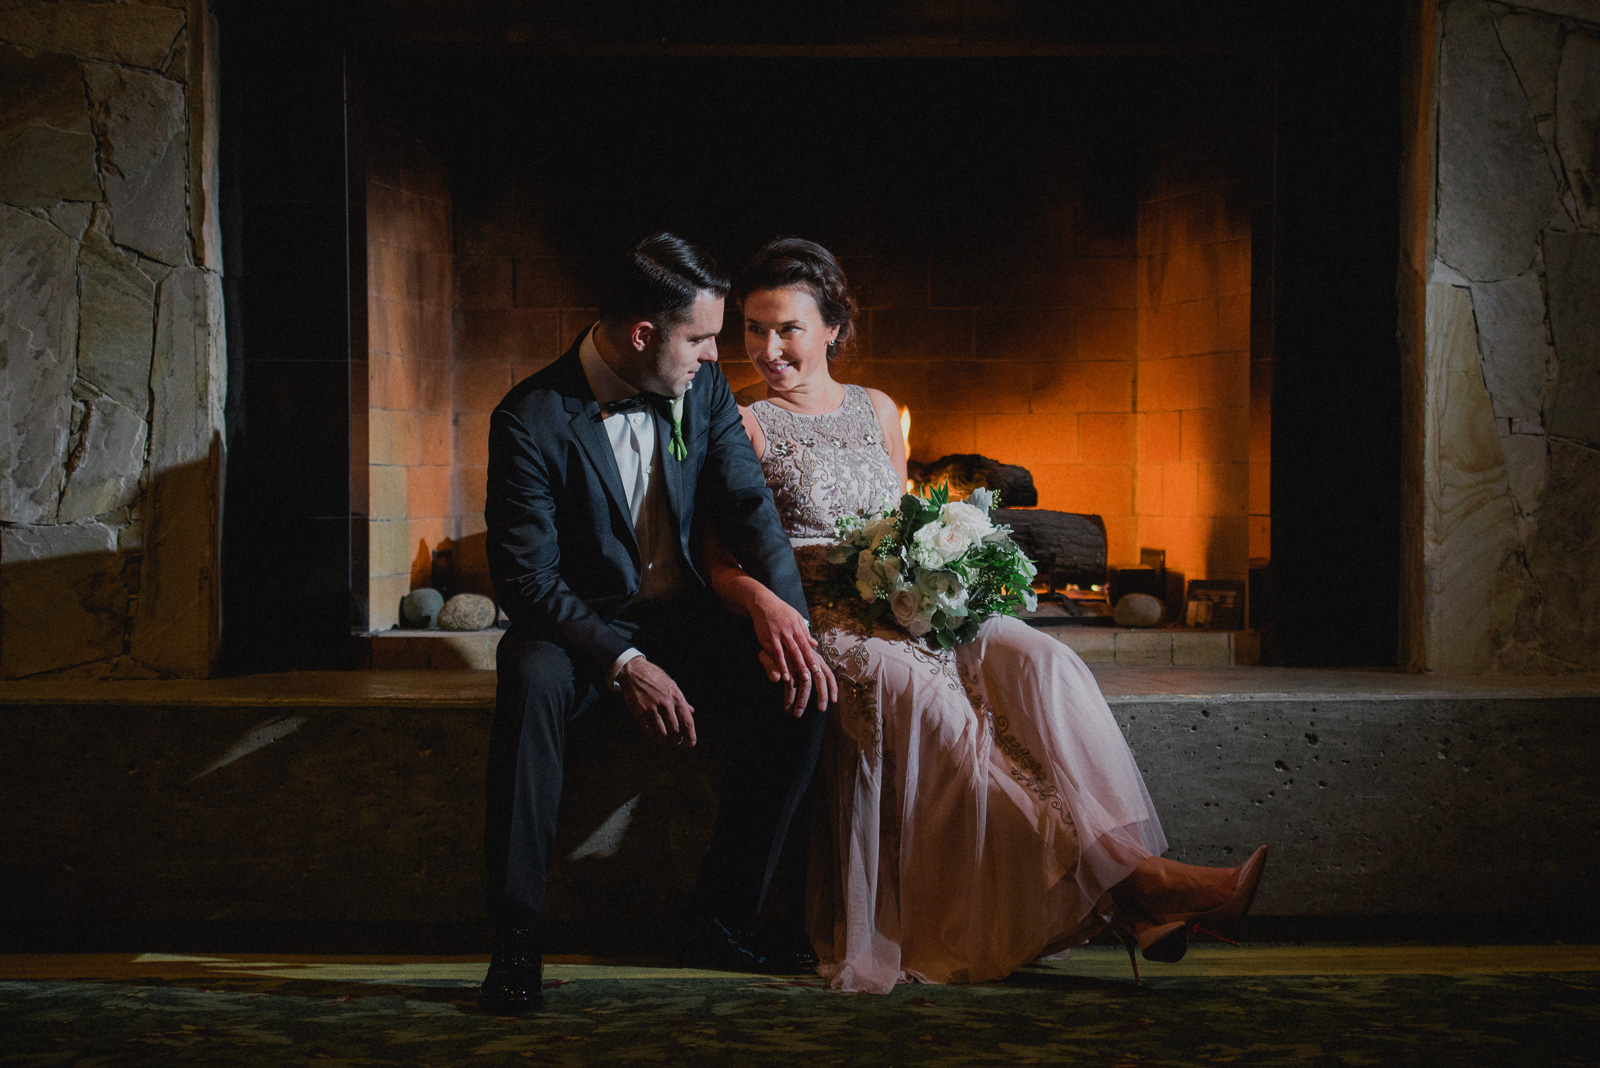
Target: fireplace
x: 1148, y: 258
x: 1053, y: 259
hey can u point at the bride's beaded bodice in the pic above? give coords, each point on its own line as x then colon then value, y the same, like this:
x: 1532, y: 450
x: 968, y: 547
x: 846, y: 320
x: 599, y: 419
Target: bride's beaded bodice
x: 820, y: 467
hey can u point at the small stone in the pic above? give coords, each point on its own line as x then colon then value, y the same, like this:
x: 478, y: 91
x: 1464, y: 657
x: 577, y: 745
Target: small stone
x: 1496, y: 188
x: 1565, y: 558
x: 46, y: 145
x: 66, y: 602
x: 142, y: 120
x: 38, y: 348
x: 1578, y: 122
x: 137, y: 34
x: 1527, y: 458
x: 1474, y: 580
x: 1533, y: 43
x: 188, y: 370
x: 1517, y: 357
x: 107, y: 457
x: 1572, y: 263
x: 467, y: 611
x: 419, y: 609
x: 1137, y: 610
x: 176, y: 628
x: 116, y: 331
x: 72, y: 217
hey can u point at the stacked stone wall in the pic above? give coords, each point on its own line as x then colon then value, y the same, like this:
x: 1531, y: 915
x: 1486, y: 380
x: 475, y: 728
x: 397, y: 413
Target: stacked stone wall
x: 1504, y: 262
x: 111, y: 359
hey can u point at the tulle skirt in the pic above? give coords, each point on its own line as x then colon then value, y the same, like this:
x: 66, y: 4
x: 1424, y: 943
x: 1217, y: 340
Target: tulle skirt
x: 980, y: 803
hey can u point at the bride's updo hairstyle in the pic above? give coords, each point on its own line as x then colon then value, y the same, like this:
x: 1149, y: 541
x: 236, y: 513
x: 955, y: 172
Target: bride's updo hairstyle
x: 793, y: 261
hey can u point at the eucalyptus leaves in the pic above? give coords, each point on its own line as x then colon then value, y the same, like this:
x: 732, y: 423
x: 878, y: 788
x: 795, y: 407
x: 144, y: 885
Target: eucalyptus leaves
x: 941, y: 567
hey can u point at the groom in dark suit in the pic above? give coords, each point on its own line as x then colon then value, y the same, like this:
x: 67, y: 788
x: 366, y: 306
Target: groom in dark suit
x: 606, y: 470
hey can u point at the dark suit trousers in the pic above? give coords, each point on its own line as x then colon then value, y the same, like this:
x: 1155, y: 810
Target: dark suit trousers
x: 711, y: 654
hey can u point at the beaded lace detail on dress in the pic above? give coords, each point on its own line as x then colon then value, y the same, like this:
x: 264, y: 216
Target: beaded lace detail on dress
x: 980, y: 800
x: 823, y: 466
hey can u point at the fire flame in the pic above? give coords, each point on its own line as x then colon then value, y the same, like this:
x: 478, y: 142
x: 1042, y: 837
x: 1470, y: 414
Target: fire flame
x: 905, y: 436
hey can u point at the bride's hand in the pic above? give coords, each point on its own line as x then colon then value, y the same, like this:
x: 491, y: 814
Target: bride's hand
x: 789, y: 654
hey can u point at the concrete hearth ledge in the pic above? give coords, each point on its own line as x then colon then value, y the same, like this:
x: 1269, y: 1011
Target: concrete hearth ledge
x: 298, y: 689
x: 357, y: 797
x: 469, y: 689
x: 1121, y: 684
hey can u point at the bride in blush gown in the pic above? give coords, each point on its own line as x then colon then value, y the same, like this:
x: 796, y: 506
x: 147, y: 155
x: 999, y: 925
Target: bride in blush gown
x: 983, y: 807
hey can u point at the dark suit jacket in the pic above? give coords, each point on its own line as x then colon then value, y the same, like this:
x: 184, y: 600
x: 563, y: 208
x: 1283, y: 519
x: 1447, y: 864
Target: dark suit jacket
x: 561, y: 546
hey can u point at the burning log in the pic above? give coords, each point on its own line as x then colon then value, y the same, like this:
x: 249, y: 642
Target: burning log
x: 1068, y: 547
x: 965, y: 471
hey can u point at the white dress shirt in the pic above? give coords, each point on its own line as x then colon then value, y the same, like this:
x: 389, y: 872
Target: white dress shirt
x: 633, y: 444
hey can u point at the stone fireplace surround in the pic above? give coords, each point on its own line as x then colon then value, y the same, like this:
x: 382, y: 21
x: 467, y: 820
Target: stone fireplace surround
x: 1381, y: 459
x: 295, y: 538
x: 1053, y: 262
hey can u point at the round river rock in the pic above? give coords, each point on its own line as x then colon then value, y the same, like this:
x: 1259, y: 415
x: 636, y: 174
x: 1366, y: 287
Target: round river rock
x: 419, y: 609
x: 1136, y: 610
x: 467, y: 611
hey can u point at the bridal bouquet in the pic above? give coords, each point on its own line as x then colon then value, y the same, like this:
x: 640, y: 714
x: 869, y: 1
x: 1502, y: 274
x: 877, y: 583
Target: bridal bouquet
x: 940, y: 566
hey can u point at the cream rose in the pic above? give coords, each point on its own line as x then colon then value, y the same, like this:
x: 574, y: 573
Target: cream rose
x: 911, y: 611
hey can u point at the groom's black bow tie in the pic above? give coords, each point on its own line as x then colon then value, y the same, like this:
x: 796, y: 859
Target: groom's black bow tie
x: 636, y: 403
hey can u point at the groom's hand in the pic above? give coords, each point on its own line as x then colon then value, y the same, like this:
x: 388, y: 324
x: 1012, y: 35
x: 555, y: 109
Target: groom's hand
x: 656, y: 703
x: 789, y: 655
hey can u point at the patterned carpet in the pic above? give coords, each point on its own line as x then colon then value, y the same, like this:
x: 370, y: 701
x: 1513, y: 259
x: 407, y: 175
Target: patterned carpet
x: 1271, y: 1005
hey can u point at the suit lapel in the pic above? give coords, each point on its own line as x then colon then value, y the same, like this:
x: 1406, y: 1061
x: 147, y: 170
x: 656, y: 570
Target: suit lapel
x: 590, y: 433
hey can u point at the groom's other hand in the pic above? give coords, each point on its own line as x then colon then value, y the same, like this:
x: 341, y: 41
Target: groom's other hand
x: 789, y: 654
x: 656, y: 703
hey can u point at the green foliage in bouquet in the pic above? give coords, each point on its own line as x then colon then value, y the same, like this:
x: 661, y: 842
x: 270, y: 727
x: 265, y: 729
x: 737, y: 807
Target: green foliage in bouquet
x: 940, y: 567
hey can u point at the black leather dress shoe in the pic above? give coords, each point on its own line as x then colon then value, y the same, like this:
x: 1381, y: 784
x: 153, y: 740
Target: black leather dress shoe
x: 515, y: 983
x: 787, y: 948
x: 726, y: 946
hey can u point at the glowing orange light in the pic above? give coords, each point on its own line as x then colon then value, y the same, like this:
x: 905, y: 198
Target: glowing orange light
x: 905, y: 436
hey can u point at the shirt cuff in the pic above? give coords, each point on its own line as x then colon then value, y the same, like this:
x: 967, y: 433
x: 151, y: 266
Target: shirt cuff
x: 615, y: 677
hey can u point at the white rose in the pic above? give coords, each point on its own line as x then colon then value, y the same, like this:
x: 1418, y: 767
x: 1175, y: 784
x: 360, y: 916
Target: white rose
x: 951, y: 543
x: 943, y: 590
x: 972, y: 523
x: 924, y: 551
x: 938, y: 544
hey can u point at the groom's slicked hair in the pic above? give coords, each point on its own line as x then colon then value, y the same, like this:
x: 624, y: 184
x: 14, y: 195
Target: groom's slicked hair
x: 659, y: 280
